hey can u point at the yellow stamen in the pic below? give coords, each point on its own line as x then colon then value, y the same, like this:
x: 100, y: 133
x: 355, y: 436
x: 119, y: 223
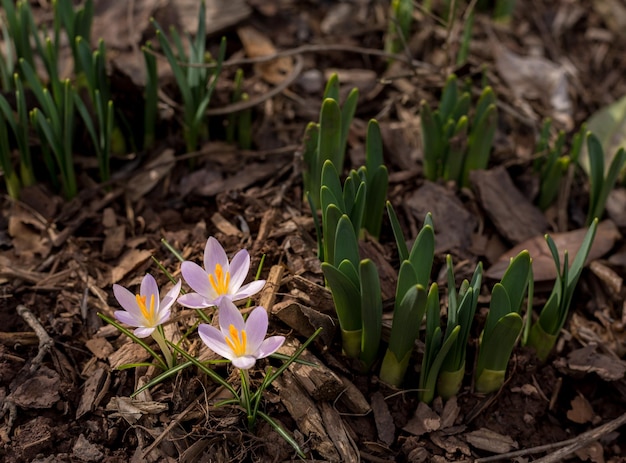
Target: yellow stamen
x: 148, y: 313
x: 220, y: 280
x: 235, y: 342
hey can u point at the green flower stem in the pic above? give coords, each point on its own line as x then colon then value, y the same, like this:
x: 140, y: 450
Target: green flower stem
x: 246, y: 401
x: 157, y: 335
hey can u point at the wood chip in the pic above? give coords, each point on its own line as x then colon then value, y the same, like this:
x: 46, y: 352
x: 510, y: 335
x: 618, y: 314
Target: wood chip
x: 306, y: 415
x: 353, y: 398
x: 319, y: 381
x: 337, y: 432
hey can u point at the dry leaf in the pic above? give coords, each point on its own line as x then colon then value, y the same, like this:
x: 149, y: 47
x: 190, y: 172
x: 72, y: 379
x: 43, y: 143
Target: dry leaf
x: 258, y: 45
x: 532, y: 77
x: 424, y: 421
x: 581, y: 411
x: 129, y: 262
x: 486, y: 439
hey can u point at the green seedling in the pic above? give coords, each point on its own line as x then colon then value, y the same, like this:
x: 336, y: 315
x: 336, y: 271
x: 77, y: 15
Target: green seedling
x: 239, y: 124
x: 410, y: 302
x: 376, y: 179
x: 76, y: 23
x: 93, y: 69
x: 504, y: 324
x: 453, y: 144
x: 436, y: 348
x: 546, y: 329
x: 195, y: 80
x: 551, y: 164
x: 600, y: 185
x: 461, y: 310
x: 399, y: 26
x: 19, y: 124
x: 150, y: 96
x: 54, y: 122
x: 327, y: 139
x: 342, y: 277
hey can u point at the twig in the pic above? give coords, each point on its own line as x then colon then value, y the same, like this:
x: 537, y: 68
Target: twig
x: 45, y: 341
x: 567, y: 447
x: 247, y: 104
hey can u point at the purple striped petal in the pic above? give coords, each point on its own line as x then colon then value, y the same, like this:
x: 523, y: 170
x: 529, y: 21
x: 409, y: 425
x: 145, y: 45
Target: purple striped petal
x: 214, y: 254
x: 149, y: 288
x: 197, y: 279
x: 256, y: 329
x: 214, y: 340
x: 269, y: 346
x: 195, y: 301
x: 171, y: 296
x: 248, y: 290
x: 229, y: 315
x: 126, y: 317
x: 239, y: 267
x: 127, y: 300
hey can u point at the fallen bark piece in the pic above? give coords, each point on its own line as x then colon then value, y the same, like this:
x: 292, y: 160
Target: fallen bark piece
x: 96, y: 386
x: 305, y: 320
x: 515, y: 217
x: 337, y: 432
x: 306, y: 415
x: 491, y: 441
x: 454, y: 225
x: 319, y: 381
x: 383, y: 419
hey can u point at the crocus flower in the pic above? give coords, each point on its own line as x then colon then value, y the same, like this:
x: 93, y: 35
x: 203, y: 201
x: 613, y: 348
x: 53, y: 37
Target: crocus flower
x: 219, y: 279
x: 145, y: 310
x: 241, y: 342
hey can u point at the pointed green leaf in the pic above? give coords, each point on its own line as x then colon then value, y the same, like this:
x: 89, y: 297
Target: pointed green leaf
x: 371, y: 311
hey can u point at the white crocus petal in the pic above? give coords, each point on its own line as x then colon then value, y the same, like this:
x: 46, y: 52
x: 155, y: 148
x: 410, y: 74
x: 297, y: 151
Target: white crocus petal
x: 244, y: 363
x: 143, y: 332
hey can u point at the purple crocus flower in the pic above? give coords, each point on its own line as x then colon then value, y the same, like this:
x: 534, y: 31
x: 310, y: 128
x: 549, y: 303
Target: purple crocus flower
x: 241, y: 342
x: 145, y: 310
x: 219, y: 279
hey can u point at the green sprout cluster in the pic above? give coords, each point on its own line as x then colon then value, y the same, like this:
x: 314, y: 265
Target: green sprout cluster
x: 88, y: 95
x: 454, y: 142
x: 354, y: 281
